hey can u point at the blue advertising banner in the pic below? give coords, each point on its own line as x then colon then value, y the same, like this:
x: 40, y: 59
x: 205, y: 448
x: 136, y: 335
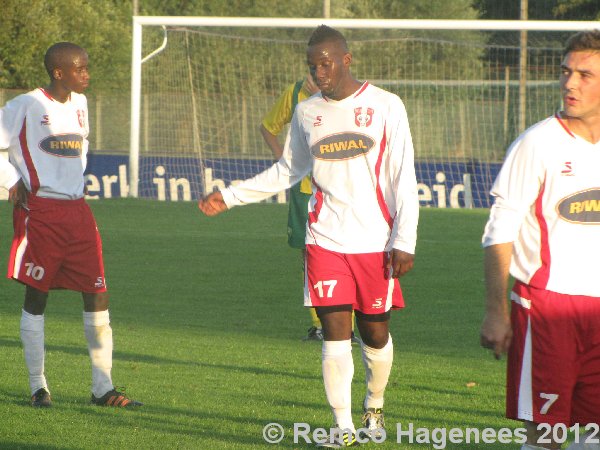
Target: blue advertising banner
x: 440, y: 185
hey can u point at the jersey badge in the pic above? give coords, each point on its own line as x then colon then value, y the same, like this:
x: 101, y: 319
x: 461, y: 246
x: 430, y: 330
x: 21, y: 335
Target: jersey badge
x: 363, y: 118
x: 318, y: 122
x: 81, y: 118
x: 342, y: 146
x: 63, y: 145
x: 581, y: 207
x: 45, y: 120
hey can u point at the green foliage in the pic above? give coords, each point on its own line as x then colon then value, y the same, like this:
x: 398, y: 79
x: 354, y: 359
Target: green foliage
x: 103, y: 27
x: 539, y: 9
x: 29, y: 28
x: 226, y: 8
x: 577, y: 10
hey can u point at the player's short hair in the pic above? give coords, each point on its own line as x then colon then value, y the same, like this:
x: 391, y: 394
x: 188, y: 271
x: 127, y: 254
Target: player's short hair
x: 583, y: 41
x: 57, y: 56
x: 323, y: 33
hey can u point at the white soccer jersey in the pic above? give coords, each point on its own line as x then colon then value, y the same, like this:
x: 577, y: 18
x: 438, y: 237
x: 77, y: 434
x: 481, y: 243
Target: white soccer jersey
x: 8, y: 174
x: 361, y: 155
x: 47, y: 142
x: 547, y: 201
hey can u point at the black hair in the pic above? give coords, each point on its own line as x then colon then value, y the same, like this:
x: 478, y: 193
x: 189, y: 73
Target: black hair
x: 323, y: 33
x: 56, y: 56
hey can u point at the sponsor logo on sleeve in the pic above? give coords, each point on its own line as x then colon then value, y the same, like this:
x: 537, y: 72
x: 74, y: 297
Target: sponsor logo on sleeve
x: 63, y: 145
x: 342, y: 146
x: 581, y: 207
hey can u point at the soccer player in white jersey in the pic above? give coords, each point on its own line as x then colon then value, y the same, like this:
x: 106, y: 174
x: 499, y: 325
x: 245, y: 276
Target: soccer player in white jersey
x: 544, y: 229
x: 363, y: 214
x: 56, y: 244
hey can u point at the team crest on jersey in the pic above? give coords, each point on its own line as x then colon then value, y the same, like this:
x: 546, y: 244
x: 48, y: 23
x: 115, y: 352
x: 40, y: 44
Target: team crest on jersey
x: 81, y: 118
x: 342, y: 146
x: 363, y: 117
x: 581, y: 207
x: 45, y: 120
x: 63, y: 145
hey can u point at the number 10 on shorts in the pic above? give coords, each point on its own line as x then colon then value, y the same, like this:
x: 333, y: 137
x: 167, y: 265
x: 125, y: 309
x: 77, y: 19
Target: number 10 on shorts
x: 33, y: 271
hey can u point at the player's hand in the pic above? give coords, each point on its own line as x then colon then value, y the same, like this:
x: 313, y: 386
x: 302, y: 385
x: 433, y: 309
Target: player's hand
x: 496, y: 332
x: 212, y: 204
x: 311, y: 86
x: 398, y: 263
x: 17, y: 194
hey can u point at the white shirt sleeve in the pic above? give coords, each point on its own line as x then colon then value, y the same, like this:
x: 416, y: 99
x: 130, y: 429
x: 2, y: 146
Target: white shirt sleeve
x: 404, y: 180
x: 11, y: 118
x: 294, y: 165
x: 8, y: 174
x: 515, y: 190
x: 86, y: 143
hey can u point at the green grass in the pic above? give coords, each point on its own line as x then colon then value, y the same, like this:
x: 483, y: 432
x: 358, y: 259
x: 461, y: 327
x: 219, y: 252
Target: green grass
x: 207, y: 323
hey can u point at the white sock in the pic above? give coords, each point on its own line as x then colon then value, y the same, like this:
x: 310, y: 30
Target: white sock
x: 32, y: 337
x: 378, y: 365
x: 100, y: 346
x: 338, y: 370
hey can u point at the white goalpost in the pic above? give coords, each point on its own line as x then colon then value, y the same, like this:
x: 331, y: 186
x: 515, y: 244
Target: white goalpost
x: 201, y: 91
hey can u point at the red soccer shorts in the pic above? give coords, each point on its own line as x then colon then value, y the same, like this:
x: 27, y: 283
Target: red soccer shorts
x: 56, y: 245
x: 553, y: 372
x: 350, y: 279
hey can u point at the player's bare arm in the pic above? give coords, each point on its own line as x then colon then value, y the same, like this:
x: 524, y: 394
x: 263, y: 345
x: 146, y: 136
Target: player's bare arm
x: 399, y: 262
x: 496, y: 332
x: 212, y: 204
x: 17, y: 194
x: 272, y: 142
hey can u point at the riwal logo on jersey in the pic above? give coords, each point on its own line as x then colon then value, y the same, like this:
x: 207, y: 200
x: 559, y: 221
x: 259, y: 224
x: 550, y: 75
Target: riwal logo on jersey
x: 342, y: 146
x: 363, y: 118
x: 581, y: 207
x: 63, y: 145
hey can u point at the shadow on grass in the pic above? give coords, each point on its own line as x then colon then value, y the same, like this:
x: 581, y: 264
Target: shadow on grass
x: 245, y: 431
x: 151, y: 359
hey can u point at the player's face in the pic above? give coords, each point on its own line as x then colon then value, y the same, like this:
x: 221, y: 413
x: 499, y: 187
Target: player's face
x: 329, y: 65
x: 74, y: 76
x: 580, y: 84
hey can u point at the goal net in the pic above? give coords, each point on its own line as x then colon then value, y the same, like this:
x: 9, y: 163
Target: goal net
x: 200, y: 94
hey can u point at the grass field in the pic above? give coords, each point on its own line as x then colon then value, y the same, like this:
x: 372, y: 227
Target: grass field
x: 207, y: 323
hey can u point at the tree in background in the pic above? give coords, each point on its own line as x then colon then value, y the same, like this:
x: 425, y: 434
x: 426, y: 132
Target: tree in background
x: 29, y: 28
x: 577, y: 10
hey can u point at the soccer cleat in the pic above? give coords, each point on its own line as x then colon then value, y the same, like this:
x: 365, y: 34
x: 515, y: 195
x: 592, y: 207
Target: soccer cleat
x: 116, y: 399
x: 340, y: 440
x: 41, y: 398
x: 373, y: 421
x: 314, y: 334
